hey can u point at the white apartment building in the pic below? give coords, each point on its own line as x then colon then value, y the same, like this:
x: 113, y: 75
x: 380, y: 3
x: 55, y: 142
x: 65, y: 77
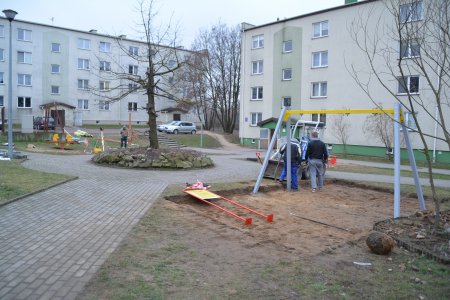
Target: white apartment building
x: 75, y: 73
x: 309, y: 59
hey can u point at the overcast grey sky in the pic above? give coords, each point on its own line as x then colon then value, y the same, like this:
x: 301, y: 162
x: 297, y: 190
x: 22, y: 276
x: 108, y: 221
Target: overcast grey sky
x: 116, y: 16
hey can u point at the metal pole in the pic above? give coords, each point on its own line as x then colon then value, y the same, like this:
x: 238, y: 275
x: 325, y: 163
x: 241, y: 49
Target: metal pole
x: 10, y: 119
x: 201, y: 135
x: 396, y: 160
x: 288, y: 153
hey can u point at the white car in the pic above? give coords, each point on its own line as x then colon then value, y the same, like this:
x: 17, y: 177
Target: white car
x: 180, y: 127
x: 160, y: 127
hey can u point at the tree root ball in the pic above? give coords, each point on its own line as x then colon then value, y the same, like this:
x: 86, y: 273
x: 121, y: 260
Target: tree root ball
x: 380, y: 243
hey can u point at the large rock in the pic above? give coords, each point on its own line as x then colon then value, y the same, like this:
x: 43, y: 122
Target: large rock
x: 380, y: 243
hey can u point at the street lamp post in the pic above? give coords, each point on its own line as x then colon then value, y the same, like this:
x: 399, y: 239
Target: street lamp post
x: 10, y: 15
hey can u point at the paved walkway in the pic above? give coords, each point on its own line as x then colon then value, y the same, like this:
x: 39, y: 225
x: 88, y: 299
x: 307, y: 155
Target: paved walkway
x: 52, y: 243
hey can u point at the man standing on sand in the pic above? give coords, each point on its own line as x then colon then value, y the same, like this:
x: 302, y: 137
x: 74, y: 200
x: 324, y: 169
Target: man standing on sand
x: 317, y: 156
x: 296, y: 155
x: 123, y: 137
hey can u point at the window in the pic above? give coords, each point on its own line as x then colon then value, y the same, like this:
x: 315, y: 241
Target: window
x: 24, y: 79
x: 286, y: 101
x: 103, y: 105
x: 56, y: 47
x: 2, y: 31
x: 257, y: 93
x: 132, y: 106
x: 409, y: 121
x: 104, y: 85
x: 319, y: 89
x: 84, y: 44
x: 287, y: 74
x: 322, y: 118
x: 105, y: 66
x: 132, y: 69
x: 408, y: 84
x: 56, y: 69
x: 255, y: 118
x: 409, y: 49
x: 257, y: 67
x: 83, y: 64
x: 320, y: 59
x: 258, y: 41
x: 320, y: 29
x: 133, y: 50
x: 105, y: 47
x: 132, y: 87
x: 24, y: 102
x: 23, y: 57
x: 411, y: 12
x: 55, y: 89
x: 83, y: 104
x: 2, y: 101
x: 287, y: 46
x: 2, y: 54
x: 83, y: 84
x: 24, y: 35
x: 1, y: 78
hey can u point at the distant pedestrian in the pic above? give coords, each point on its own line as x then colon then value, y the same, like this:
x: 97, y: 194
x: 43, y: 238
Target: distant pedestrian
x: 296, y: 155
x: 124, y: 137
x: 317, y: 156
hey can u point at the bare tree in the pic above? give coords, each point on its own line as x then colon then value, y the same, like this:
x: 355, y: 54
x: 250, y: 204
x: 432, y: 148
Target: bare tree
x: 341, y: 130
x: 161, y: 59
x: 407, y: 42
x: 220, y: 68
x: 381, y: 128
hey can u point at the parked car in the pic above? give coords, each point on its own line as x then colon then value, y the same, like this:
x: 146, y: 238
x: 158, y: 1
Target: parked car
x: 180, y: 127
x: 160, y: 127
x: 39, y: 123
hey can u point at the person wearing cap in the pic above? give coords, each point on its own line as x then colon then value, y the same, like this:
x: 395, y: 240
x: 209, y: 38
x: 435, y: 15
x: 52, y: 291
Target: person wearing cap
x: 123, y: 137
x: 317, y: 156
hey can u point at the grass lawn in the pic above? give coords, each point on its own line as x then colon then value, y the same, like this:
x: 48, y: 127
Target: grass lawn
x: 16, y: 180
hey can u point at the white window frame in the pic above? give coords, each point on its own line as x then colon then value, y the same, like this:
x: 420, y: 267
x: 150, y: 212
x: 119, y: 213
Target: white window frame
x: 258, y: 41
x: 24, y: 57
x: 322, y: 29
x: 132, y: 87
x: 55, y: 90
x: 84, y: 44
x: 321, y: 93
x: 322, y: 59
x: 411, y: 12
x: 133, y: 51
x: 257, y: 67
x: 132, y: 106
x: 259, y: 92
x: 409, y: 49
x: 104, y: 85
x: 285, y: 48
x: 2, y: 31
x: 55, y: 69
x: 24, y: 102
x: 83, y: 64
x: 133, y: 69
x: 105, y: 66
x: 2, y: 54
x: 2, y: 101
x: 255, y: 117
x: 83, y: 104
x: 104, y: 105
x: 55, y: 47
x: 409, y: 121
x: 2, y: 78
x: 104, y: 47
x: 24, y: 79
x: 24, y: 35
x: 83, y: 84
x: 285, y: 73
x: 322, y: 118
x: 407, y: 90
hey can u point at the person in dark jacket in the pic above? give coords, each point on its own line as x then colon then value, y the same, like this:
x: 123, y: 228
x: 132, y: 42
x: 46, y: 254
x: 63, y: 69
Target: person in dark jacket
x: 296, y: 155
x: 317, y: 156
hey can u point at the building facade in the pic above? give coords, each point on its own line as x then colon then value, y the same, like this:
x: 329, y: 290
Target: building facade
x: 78, y: 75
x: 315, y: 61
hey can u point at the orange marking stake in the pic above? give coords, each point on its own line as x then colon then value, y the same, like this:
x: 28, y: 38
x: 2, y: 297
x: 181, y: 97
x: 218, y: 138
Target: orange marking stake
x: 205, y: 195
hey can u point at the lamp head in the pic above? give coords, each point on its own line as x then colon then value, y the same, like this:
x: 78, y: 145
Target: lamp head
x: 10, y: 14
